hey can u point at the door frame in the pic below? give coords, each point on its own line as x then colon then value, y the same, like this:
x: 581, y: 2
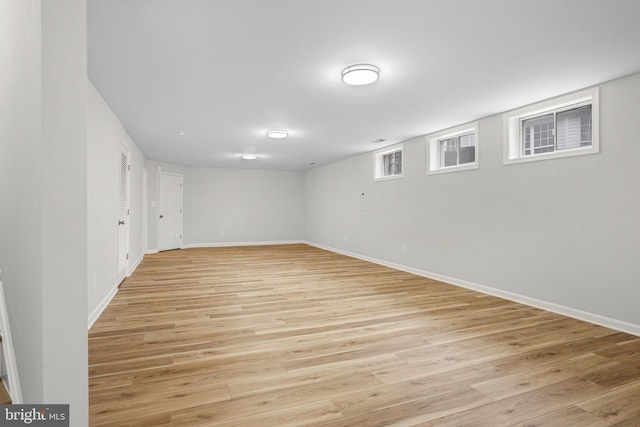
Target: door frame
x: 181, y: 243
x: 122, y: 274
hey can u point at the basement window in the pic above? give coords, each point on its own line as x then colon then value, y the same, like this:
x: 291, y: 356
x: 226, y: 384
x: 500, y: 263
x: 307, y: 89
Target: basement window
x: 388, y: 163
x: 562, y: 127
x: 455, y: 149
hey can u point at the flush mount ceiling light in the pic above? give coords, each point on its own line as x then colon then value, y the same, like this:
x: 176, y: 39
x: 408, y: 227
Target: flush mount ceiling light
x: 180, y: 132
x: 277, y: 133
x: 249, y: 156
x: 360, y: 74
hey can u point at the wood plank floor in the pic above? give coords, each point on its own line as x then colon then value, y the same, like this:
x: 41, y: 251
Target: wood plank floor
x: 297, y: 336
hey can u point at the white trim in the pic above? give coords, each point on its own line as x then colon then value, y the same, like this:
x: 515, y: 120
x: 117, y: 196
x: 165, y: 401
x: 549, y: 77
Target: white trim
x: 145, y: 209
x: 124, y: 150
x: 433, y: 149
x: 135, y: 265
x: 511, y: 123
x: 231, y: 244
x: 389, y: 177
x: 13, y: 382
x: 151, y: 251
x: 104, y: 303
x: 597, y: 319
x: 97, y: 312
x: 158, y: 173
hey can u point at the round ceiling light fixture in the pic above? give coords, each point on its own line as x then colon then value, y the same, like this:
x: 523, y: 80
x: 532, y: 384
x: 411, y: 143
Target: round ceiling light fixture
x: 277, y: 133
x: 249, y: 156
x: 360, y: 74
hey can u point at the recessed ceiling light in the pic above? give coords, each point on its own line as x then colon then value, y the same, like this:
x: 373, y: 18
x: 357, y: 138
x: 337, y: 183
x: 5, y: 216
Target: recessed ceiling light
x: 249, y: 156
x: 360, y: 74
x: 378, y: 141
x: 277, y: 133
x: 180, y: 132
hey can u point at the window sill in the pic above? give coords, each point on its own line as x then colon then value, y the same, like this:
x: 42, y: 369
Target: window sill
x: 555, y: 155
x: 388, y: 178
x: 448, y: 169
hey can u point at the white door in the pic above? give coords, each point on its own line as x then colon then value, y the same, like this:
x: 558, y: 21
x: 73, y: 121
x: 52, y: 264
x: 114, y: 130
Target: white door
x: 123, y: 215
x: 169, y: 211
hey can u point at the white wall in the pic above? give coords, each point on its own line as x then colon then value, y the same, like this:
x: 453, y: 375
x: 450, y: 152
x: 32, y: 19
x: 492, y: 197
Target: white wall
x: 105, y: 135
x: 43, y: 219
x: 249, y: 206
x: 561, y: 231
x: 20, y: 186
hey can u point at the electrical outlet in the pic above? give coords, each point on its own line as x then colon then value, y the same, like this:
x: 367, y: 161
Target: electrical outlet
x: 404, y: 249
x: 222, y: 232
x: 346, y: 239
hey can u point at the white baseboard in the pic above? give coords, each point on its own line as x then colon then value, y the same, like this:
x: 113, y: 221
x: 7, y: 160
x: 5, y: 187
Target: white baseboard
x: 135, y: 265
x: 597, y: 319
x: 96, y: 312
x: 231, y: 244
x: 151, y: 251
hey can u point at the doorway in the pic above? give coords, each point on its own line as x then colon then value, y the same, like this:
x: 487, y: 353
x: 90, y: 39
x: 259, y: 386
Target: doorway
x: 123, y: 214
x: 169, y: 211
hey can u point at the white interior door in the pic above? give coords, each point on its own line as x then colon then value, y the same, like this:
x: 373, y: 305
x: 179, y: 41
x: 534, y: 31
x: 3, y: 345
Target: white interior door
x: 169, y: 211
x: 123, y: 215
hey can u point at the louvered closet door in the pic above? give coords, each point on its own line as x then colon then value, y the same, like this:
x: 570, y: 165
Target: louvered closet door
x: 123, y: 215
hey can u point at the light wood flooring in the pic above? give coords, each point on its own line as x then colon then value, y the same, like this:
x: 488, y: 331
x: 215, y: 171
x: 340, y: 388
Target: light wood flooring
x: 296, y: 336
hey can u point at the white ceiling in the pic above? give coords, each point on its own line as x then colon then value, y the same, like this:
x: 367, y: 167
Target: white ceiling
x: 225, y: 71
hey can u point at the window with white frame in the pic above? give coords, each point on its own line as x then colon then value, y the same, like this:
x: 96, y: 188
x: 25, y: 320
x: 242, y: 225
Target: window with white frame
x: 388, y: 163
x: 454, y: 149
x: 562, y: 127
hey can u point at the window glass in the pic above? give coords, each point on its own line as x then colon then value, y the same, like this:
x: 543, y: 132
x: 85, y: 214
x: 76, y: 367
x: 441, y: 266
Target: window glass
x: 449, y: 152
x: 467, y: 153
x: 453, y: 150
x: 574, y: 128
x: 392, y: 163
x: 537, y: 135
x: 458, y: 150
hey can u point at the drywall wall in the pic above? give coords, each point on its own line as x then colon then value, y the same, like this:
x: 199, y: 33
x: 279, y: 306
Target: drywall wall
x: 233, y: 206
x: 20, y: 186
x: 561, y: 231
x: 247, y: 205
x: 64, y: 205
x: 43, y: 193
x: 105, y: 136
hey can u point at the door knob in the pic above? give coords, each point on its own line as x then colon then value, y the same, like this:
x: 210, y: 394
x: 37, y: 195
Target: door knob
x: 121, y: 222
x: 161, y: 216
